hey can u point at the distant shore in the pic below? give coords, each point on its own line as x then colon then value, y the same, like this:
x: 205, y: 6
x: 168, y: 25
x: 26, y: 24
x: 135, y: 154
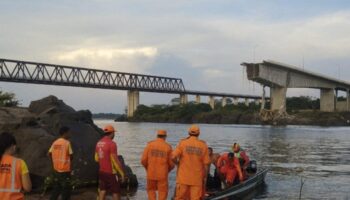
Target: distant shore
x: 234, y: 115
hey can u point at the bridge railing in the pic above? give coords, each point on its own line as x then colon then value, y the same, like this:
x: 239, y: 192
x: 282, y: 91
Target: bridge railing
x: 42, y: 73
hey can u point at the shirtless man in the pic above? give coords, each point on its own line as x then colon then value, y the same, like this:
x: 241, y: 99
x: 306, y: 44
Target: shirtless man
x: 213, y: 157
x: 213, y: 180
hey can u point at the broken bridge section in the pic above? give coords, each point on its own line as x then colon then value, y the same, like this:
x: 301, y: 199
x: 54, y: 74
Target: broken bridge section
x: 279, y: 77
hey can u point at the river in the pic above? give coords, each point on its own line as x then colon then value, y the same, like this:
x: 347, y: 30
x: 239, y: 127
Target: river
x: 320, y: 155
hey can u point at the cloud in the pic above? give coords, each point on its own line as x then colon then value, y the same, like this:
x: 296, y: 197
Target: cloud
x: 116, y: 59
x: 107, y: 53
x: 201, y: 42
x: 215, y: 73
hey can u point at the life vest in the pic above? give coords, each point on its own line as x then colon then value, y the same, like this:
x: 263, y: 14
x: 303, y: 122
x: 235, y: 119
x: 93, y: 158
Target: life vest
x: 60, y: 155
x: 10, y: 178
x: 238, y: 155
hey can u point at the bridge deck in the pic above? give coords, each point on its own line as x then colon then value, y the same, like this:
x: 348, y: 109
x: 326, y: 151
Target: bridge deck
x: 306, y: 74
x: 18, y: 71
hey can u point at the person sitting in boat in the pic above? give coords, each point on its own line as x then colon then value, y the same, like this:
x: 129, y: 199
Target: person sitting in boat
x: 213, y: 181
x: 242, y: 157
x: 213, y: 157
x: 229, y: 168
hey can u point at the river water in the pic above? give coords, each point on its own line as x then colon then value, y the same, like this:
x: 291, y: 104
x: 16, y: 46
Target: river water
x: 321, y: 156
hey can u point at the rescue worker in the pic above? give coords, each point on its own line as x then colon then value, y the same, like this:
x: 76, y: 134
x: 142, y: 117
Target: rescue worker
x: 229, y: 168
x: 61, y: 155
x: 156, y: 159
x: 106, y: 155
x: 242, y: 157
x: 192, y: 158
x: 14, y: 175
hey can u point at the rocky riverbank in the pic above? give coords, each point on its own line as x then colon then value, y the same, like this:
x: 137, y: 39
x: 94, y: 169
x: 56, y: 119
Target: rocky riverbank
x: 36, y: 127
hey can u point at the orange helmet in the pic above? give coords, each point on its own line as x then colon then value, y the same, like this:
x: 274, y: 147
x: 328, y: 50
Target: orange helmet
x: 194, y: 130
x: 109, y: 129
x: 161, y: 133
x: 236, y: 147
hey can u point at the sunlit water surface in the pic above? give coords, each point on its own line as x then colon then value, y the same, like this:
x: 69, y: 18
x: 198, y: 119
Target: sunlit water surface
x: 320, y: 155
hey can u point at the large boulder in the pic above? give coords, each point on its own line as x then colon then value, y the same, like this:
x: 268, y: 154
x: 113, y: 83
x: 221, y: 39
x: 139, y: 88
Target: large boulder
x: 49, y: 102
x: 37, y: 127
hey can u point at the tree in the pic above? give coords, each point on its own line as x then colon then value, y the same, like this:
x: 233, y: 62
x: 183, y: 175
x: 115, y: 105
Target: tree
x: 8, y: 99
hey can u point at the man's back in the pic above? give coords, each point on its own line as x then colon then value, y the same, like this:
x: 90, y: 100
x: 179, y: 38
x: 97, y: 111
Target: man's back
x: 104, y: 149
x: 60, y: 152
x: 193, y: 156
x: 157, y: 159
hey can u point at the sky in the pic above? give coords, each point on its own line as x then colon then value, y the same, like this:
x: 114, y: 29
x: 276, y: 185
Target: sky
x: 201, y: 41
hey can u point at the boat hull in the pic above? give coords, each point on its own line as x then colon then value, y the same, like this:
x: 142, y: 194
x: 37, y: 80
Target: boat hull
x: 241, y: 190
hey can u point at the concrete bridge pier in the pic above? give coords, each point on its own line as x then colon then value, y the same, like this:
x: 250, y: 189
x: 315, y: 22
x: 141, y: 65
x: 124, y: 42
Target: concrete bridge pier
x: 212, y: 102
x: 327, y: 100
x: 278, y: 98
x: 198, y: 99
x: 235, y: 101
x: 223, y: 101
x: 257, y: 102
x: 133, y: 102
x: 246, y: 102
x: 348, y: 100
x: 183, y: 99
x: 336, y: 107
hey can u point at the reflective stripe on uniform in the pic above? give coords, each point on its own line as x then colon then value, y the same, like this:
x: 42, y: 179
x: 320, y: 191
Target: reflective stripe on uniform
x: 13, y: 179
x: 63, y: 153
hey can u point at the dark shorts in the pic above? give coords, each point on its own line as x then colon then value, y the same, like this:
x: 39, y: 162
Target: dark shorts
x: 109, y: 183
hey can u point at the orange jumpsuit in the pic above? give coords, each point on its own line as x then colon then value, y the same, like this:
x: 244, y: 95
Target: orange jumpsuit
x: 229, y: 169
x: 156, y: 159
x: 193, y: 157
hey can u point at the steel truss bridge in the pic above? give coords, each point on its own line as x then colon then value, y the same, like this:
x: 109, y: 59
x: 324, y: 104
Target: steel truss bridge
x: 51, y: 74
x: 19, y: 71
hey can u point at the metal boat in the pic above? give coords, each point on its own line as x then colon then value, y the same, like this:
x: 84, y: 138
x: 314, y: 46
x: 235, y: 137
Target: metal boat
x: 242, y: 189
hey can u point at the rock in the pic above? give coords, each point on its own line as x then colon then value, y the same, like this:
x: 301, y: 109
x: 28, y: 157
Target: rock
x: 36, y: 127
x: 12, y: 118
x: 49, y: 102
x: 132, y: 179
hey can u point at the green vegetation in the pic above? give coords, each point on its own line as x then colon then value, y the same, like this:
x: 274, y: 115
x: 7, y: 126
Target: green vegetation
x: 8, y: 99
x: 302, y: 103
x: 193, y: 113
x: 304, y: 109
x: 105, y: 116
x: 174, y: 113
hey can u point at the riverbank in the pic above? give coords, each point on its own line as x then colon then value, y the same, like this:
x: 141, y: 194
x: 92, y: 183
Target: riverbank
x: 36, y: 127
x: 88, y: 193
x: 231, y: 114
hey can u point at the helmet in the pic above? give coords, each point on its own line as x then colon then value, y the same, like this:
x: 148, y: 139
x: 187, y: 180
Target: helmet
x: 194, y: 130
x: 161, y: 132
x: 236, y: 147
x: 109, y: 129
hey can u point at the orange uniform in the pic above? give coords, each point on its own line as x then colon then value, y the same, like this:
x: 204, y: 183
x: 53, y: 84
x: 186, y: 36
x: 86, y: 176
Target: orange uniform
x: 156, y: 159
x: 61, y: 151
x: 229, y: 168
x: 11, y: 171
x: 193, y: 157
